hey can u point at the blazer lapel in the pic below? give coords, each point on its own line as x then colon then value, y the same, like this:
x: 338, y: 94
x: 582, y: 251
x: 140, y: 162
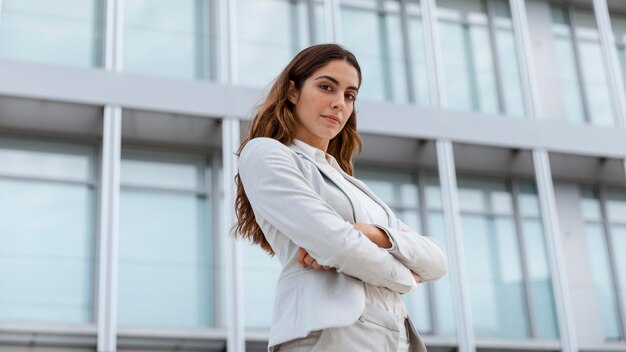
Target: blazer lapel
x: 356, y: 211
x: 361, y: 185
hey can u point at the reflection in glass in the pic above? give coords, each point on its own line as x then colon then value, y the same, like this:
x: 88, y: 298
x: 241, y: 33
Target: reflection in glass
x: 63, y: 32
x: 606, y: 259
x: 172, y: 39
x: 481, y: 69
x: 582, y: 74
x: 165, y: 246
x: 501, y: 222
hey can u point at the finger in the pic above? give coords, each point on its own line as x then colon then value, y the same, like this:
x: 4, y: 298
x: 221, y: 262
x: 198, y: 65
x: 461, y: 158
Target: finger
x: 308, y: 260
x: 300, y: 256
x: 326, y: 267
x: 316, y: 265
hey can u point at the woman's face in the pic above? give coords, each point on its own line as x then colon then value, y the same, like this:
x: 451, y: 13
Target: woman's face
x: 325, y: 102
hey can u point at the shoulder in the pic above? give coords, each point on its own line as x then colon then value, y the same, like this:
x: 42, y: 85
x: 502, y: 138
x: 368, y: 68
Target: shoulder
x: 265, y: 153
x: 263, y: 145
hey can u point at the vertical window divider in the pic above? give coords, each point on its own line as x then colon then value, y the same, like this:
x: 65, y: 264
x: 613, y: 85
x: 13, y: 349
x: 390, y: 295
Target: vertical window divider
x: 333, y: 21
x: 113, y: 43
x: 611, y: 253
x: 233, y: 264
x: 219, y: 278
x: 406, y: 45
x: 525, y: 57
x: 571, y: 21
x: 310, y: 9
x: 532, y: 326
x: 423, y: 215
x: 554, y: 246
x: 609, y: 55
x: 433, y: 53
x: 454, y: 237
x: 109, y: 229
x: 496, y: 58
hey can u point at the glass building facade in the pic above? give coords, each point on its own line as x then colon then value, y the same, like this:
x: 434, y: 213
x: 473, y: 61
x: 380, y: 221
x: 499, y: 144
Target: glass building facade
x: 495, y: 126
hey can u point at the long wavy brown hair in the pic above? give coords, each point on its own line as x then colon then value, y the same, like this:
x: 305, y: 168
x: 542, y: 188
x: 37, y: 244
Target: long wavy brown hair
x: 275, y: 118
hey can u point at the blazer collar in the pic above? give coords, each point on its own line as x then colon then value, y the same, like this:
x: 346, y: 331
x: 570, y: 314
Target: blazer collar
x: 358, y: 216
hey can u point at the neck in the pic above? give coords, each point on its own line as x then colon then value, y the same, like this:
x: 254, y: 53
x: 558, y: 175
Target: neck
x: 321, y: 144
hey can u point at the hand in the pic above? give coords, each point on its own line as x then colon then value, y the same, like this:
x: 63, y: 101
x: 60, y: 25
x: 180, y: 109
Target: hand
x: 376, y: 235
x: 305, y: 259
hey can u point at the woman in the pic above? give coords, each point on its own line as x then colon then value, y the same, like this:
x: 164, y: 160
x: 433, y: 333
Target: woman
x: 345, y: 258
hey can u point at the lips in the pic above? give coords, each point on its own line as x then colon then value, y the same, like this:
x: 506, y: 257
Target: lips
x: 333, y: 118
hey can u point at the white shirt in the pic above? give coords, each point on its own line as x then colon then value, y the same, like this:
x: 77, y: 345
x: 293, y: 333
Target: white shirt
x: 379, y: 296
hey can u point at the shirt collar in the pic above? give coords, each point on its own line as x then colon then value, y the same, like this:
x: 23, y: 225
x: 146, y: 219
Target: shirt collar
x: 317, y: 154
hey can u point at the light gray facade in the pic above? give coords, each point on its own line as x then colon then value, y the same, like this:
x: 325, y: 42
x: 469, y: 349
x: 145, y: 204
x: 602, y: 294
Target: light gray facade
x: 495, y: 126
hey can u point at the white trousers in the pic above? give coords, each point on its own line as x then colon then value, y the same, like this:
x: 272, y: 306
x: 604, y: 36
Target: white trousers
x: 376, y: 330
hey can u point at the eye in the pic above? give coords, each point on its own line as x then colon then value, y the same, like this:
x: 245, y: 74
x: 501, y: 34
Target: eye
x: 326, y: 87
x: 351, y: 97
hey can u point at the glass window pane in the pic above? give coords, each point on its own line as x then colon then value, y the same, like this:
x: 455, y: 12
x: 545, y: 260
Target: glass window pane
x: 618, y: 239
x: 590, y: 204
x: 46, y: 266
x: 597, y: 89
x: 510, y: 73
x: 528, y: 199
x: 260, y: 274
x: 270, y: 45
x: 616, y: 205
x: 433, y: 193
x: 540, y: 279
x: 418, y: 54
x: 166, y: 266
x: 160, y: 170
x: 442, y: 288
x: 375, y: 37
x: 171, y: 39
x: 31, y: 158
x: 396, y: 189
x: 601, y: 268
x: 495, y: 277
x: 484, y: 196
x: 570, y: 83
x: 64, y: 32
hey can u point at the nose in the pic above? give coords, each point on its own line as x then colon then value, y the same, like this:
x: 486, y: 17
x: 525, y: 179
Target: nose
x: 338, y: 102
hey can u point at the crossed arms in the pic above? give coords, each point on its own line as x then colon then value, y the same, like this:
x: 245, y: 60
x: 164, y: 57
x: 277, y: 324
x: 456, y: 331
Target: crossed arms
x: 283, y: 199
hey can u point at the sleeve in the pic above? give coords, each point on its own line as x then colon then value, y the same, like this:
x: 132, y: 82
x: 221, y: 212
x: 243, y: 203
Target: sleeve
x: 281, y: 195
x: 423, y: 255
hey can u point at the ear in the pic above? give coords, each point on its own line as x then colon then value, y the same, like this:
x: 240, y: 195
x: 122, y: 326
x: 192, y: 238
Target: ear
x: 292, y: 93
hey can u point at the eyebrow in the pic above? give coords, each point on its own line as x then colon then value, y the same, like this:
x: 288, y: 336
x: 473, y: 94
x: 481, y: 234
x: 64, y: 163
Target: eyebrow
x: 336, y: 82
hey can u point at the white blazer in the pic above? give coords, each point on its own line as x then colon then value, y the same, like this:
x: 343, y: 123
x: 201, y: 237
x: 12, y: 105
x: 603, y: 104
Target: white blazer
x: 297, y: 204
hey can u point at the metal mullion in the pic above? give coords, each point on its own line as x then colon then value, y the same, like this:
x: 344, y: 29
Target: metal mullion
x: 469, y: 51
x: 333, y: 20
x: 219, y: 277
x: 233, y: 262
x: 496, y: 58
x: 385, y: 62
x: 310, y: 8
x: 614, y: 77
x: 532, y: 326
x: 609, y: 244
x: 423, y: 214
x: 433, y: 53
x: 113, y: 48
x: 454, y: 239
x: 579, y: 70
x: 404, y: 22
x: 108, y: 229
x: 554, y: 248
